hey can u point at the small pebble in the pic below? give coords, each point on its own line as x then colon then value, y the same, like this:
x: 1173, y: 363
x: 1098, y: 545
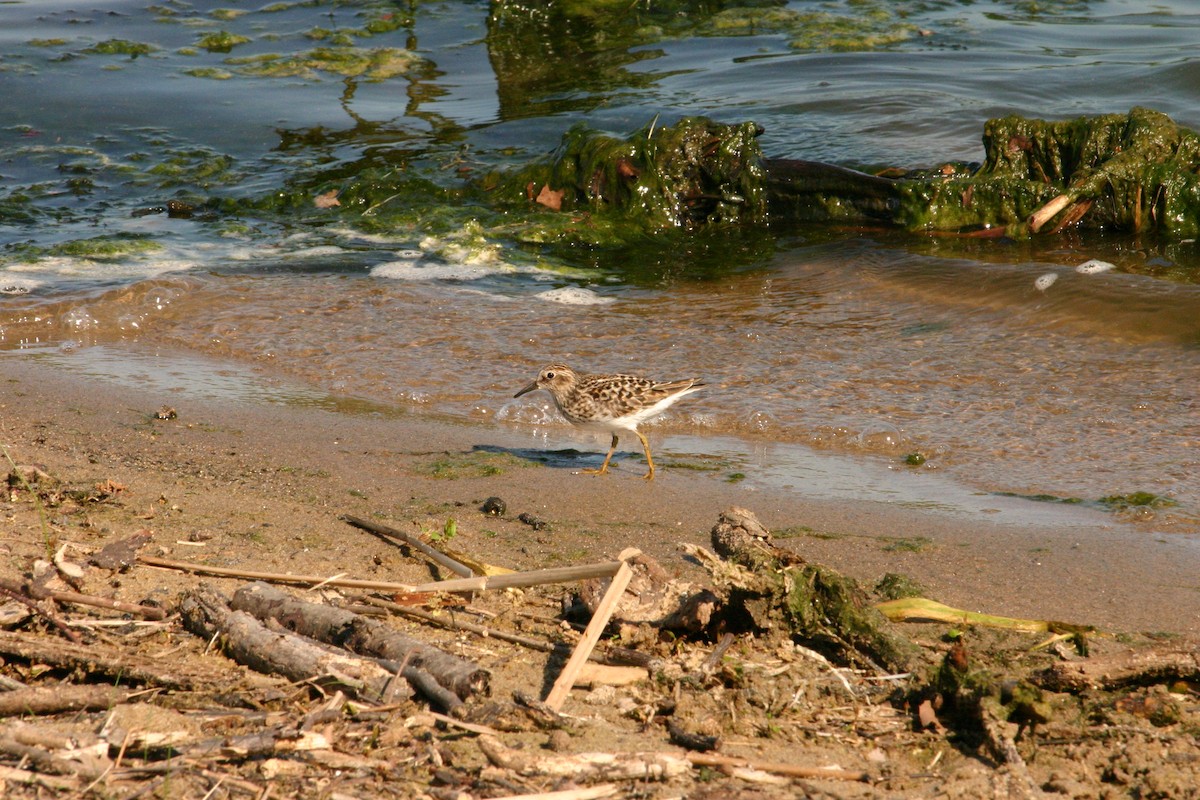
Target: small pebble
x: 1044, y: 282
x: 1094, y: 266
x: 558, y: 741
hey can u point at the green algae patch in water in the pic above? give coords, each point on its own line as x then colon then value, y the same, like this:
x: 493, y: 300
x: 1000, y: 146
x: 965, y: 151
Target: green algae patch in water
x: 1124, y: 502
x: 372, y: 64
x: 121, y: 47
x: 110, y: 247
x: 221, y: 41
x: 869, y: 26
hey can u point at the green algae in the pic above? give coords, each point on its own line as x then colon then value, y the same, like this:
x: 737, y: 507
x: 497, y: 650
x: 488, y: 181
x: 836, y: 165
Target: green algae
x: 371, y: 64
x: 870, y: 26
x: 108, y: 247
x: 121, y: 47
x: 1123, y: 502
x: 221, y: 41
x: 477, y: 464
x: 211, y: 73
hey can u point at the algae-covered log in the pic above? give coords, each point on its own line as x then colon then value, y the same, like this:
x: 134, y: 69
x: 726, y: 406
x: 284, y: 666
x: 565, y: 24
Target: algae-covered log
x: 773, y: 588
x: 694, y: 173
x: 1135, y: 172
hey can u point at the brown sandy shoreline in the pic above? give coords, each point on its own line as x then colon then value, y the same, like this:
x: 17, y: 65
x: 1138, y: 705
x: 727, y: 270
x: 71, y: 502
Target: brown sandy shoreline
x: 268, y: 481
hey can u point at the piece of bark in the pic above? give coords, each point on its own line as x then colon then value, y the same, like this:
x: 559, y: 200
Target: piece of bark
x: 121, y: 554
x: 361, y: 635
x: 60, y: 699
x: 99, y: 658
x: 1122, y: 669
x: 249, y: 642
x: 585, y: 766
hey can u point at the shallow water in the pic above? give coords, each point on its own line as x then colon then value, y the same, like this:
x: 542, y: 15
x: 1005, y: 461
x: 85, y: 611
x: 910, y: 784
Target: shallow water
x: 866, y: 344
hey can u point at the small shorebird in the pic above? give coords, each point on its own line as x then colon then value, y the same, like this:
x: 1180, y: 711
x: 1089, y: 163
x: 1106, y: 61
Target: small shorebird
x: 610, y: 403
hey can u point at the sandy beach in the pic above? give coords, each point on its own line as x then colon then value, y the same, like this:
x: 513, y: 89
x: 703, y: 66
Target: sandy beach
x: 260, y: 486
x: 264, y: 483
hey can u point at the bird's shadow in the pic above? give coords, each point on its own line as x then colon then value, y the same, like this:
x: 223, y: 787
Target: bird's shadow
x: 568, y: 458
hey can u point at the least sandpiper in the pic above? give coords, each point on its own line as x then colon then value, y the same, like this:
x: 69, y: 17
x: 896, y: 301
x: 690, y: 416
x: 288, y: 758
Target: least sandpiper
x: 610, y: 403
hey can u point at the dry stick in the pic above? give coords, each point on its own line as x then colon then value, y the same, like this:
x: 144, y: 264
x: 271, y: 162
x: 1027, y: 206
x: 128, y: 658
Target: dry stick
x: 388, y: 533
x: 273, y: 577
x: 600, y: 618
x: 149, y: 612
x: 537, y: 577
x: 516, y: 580
x: 791, y: 770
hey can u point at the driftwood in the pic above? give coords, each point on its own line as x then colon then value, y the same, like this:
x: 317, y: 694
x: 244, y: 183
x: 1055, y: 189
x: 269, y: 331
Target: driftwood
x: 520, y: 580
x: 249, y: 642
x: 1122, y: 669
x: 363, y: 636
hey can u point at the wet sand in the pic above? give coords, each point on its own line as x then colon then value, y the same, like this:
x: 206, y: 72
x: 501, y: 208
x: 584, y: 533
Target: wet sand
x: 267, y: 482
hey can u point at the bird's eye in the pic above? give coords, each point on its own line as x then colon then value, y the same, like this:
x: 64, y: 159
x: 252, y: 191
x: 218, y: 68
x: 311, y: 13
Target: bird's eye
x: 549, y: 376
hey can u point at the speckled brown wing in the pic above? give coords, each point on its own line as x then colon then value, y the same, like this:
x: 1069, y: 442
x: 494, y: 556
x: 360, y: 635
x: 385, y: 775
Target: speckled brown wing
x: 619, y: 395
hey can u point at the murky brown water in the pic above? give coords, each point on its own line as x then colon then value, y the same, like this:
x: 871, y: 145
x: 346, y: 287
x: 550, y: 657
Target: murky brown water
x: 1002, y: 386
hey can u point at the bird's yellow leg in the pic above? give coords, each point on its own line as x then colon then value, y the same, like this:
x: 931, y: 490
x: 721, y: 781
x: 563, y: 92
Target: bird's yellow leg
x: 646, y: 446
x: 604, y: 467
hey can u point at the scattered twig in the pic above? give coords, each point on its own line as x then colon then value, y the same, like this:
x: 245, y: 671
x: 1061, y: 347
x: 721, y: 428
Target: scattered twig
x: 99, y: 658
x: 714, y: 658
x: 791, y: 770
x: 20, y: 596
x: 582, y: 766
